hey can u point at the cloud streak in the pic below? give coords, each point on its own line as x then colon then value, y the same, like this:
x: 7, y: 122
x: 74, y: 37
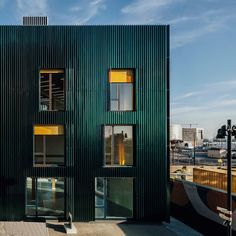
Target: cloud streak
x: 144, y: 12
x: 207, y: 106
x: 186, y: 109
x: 87, y: 11
x: 32, y: 7
x: 143, y: 6
x: 219, y: 87
x: 161, y: 12
x: 191, y: 94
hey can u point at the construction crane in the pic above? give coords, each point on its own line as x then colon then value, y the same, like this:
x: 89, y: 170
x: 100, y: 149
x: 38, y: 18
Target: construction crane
x: 190, y: 125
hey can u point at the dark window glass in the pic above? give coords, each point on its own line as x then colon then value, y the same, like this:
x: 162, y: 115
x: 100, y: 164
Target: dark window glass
x: 118, y: 145
x: 31, y: 196
x: 52, y: 90
x: 45, y: 197
x: 49, y: 145
x: 117, y: 198
x: 99, y: 197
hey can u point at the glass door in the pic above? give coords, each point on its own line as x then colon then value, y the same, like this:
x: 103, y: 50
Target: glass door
x: 100, y: 197
x: 113, y: 197
x: 45, y: 197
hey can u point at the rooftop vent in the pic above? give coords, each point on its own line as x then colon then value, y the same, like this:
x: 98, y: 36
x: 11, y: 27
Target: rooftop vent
x: 35, y: 20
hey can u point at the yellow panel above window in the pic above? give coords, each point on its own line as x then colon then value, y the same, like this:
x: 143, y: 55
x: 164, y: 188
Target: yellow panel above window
x: 48, y: 130
x: 51, y: 71
x: 121, y: 76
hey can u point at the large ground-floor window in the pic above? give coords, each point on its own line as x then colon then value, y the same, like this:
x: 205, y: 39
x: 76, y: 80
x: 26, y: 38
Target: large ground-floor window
x: 113, y: 197
x: 45, y: 197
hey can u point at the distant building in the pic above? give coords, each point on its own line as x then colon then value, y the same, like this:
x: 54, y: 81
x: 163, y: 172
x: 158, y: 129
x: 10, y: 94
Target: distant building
x: 175, y: 132
x: 216, y: 152
x: 192, y: 135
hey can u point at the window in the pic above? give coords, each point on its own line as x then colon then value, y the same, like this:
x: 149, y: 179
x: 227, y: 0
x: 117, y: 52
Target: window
x: 121, y: 90
x: 48, y: 145
x: 52, y: 90
x: 113, y: 197
x: 118, y: 145
x: 45, y: 196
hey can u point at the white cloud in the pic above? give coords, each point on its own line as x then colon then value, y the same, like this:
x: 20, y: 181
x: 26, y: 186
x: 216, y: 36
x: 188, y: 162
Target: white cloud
x: 87, y: 11
x: 32, y: 7
x: 203, y: 16
x: 191, y: 94
x: 209, y: 22
x: 226, y: 102
x: 164, y: 12
x: 223, y: 88
x: 144, y: 12
x: 143, y: 6
x: 224, y: 83
x: 185, y: 109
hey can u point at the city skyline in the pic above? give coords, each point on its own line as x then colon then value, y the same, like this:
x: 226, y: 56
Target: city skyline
x: 203, y: 74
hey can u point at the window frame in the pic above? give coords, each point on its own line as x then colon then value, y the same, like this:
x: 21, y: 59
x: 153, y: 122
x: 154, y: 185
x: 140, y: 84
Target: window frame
x: 49, y: 165
x: 36, y: 215
x: 133, y: 90
x: 134, y: 146
x: 105, y: 198
x: 39, y: 89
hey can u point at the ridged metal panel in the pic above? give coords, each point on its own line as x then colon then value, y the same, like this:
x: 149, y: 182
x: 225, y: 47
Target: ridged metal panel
x: 35, y: 20
x: 86, y: 53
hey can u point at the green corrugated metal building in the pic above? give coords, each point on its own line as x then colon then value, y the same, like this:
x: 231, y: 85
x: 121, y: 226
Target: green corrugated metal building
x: 84, y: 113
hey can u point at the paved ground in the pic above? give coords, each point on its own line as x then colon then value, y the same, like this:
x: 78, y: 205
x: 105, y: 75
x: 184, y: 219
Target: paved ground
x: 100, y: 228
x: 23, y: 229
x: 108, y: 228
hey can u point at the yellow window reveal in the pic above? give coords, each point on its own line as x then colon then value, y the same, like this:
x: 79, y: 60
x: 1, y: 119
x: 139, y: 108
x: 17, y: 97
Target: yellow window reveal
x: 48, y: 130
x: 121, y: 76
x: 51, y: 71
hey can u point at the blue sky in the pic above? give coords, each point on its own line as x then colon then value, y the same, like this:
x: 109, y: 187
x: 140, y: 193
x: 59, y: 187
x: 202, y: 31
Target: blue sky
x: 203, y: 46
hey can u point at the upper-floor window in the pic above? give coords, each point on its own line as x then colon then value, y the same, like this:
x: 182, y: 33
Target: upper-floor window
x: 49, y: 145
x: 118, y: 145
x: 52, y: 90
x: 121, y: 89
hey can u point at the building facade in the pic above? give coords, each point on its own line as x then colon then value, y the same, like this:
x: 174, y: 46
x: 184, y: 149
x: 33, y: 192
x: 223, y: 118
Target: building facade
x: 194, y: 136
x: 84, y: 115
x: 175, y: 132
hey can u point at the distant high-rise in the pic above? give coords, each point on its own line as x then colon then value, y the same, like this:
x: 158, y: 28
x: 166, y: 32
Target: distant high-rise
x: 192, y: 135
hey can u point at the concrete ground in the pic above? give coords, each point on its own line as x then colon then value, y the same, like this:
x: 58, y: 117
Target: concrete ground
x: 114, y: 228
x: 13, y: 228
x: 99, y: 228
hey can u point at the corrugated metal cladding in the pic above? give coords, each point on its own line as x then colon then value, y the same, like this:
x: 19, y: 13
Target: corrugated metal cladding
x: 86, y: 53
x: 35, y: 20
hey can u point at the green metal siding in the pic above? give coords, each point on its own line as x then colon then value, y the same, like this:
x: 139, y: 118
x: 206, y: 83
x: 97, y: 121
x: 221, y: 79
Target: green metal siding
x: 86, y: 53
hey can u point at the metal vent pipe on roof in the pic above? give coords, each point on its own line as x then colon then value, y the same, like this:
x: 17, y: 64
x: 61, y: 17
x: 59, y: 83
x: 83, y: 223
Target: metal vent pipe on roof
x: 35, y: 20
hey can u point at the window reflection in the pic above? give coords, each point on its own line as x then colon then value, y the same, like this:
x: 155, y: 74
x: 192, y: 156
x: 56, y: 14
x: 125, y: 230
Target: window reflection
x: 118, y: 145
x: 48, y: 145
x: 45, y: 197
x: 99, y: 197
x: 117, y: 197
x: 52, y: 90
x: 121, y: 90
